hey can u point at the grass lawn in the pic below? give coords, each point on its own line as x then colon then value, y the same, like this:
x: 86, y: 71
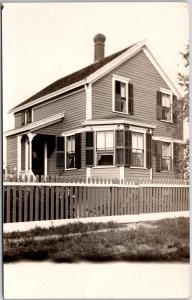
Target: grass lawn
x: 164, y: 240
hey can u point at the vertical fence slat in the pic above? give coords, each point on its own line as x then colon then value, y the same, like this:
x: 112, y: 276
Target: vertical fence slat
x: 71, y: 202
x: 75, y: 203
x: 57, y: 188
x: 20, y: 201
x: 66, y: 202
x: 14, y: 188
x: 52, y: 199
x: 31, y: 207
x: 37, y: 200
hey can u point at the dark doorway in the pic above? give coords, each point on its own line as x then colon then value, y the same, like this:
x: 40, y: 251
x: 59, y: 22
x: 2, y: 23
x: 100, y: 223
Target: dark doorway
x: 38, y: 155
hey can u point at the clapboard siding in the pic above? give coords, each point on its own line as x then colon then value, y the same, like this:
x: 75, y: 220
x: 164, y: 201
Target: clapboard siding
x: 106, y: 172
x: 146, y: 81
x: 12, y: 152
x: 73, y: 105
x: 17, y: 120
x: 51, y: 162
x: 130, y: 173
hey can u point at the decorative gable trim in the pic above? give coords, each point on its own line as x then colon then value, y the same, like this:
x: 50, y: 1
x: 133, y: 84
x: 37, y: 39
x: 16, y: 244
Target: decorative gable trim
x: 36, y: 125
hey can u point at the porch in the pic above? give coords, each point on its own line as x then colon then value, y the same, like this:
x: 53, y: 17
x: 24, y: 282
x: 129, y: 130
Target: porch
x: 34, y: 152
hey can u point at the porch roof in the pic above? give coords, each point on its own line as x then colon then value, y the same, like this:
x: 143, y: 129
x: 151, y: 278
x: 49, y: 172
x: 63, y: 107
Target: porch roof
x: 36, y: 125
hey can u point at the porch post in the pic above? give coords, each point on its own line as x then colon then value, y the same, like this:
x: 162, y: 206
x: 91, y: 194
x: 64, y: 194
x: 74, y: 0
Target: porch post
x: 19, y: 137
x: 45, y: 158
x: 30, y: 136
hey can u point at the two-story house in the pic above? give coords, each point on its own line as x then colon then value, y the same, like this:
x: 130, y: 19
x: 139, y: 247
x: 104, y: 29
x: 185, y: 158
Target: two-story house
x: 113, y: 119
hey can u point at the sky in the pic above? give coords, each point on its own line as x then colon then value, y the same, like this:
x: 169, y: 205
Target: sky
x: 42, y: 42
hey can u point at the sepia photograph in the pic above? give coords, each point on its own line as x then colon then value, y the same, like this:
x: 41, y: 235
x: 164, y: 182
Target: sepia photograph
x: 95, y: 150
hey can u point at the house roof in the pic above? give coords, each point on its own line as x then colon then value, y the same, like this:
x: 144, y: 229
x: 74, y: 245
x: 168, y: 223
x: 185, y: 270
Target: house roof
x: 73, y: 78
x: 98, y: 69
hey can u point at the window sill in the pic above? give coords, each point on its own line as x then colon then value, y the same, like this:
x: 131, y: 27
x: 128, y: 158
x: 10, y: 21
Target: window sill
x: 122, y: 113
x: 167, y: 171
x: 70, y: 169
x: 143, y: 168
x: 171, y: 122
x: 103, y: 167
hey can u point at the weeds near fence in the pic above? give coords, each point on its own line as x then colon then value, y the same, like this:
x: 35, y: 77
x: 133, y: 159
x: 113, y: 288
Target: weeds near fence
x: 165, y: 240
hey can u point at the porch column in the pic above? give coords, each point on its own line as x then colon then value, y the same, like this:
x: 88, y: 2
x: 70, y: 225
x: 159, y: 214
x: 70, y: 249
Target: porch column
x: 30, y: 136
x: 19, y: 137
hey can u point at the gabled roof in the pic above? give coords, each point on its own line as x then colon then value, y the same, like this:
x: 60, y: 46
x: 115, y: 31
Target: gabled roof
x: 98, y: 69
x: 73, y: 78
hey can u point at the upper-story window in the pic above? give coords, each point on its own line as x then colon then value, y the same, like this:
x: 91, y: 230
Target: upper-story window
x: 105, y: 148
x: 164, y: 105
x: 122, y: 95
x: 26, y: 116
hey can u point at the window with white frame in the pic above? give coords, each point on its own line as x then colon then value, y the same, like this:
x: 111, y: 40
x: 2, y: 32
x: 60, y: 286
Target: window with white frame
x: 137, y: 149
x: 26, y: 116
x: 166, y: 156
x: 70, y: 153
x: 120, y: 96
x: 105, y: 148
x: 166, y: 107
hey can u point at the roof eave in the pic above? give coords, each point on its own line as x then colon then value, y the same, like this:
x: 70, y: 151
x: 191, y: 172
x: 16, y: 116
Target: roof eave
x: 49, y: 96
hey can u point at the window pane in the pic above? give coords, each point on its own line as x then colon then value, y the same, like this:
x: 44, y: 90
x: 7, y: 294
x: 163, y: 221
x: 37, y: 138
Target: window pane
x: 105, y: 159
x: 137, y: 159
x: 123, y: 105
x: 70, y: 160
x: 166, y: 114
x: 109, y: 140
x: 123, y: 90
x: 166, y: 150
x: 134, y: 140
x: 100, y: 140
x: 73, y: 143
x: 166, y: 100
x: 140, y: 141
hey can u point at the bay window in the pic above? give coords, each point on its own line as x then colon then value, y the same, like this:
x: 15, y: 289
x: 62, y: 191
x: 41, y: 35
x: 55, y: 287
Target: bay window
x: 137, y: 149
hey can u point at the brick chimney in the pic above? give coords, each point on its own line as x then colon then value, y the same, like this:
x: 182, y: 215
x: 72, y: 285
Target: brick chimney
x: 99, y: 40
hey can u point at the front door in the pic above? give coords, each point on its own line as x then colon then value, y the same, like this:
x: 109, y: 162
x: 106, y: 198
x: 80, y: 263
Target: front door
x: 38, y: 155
